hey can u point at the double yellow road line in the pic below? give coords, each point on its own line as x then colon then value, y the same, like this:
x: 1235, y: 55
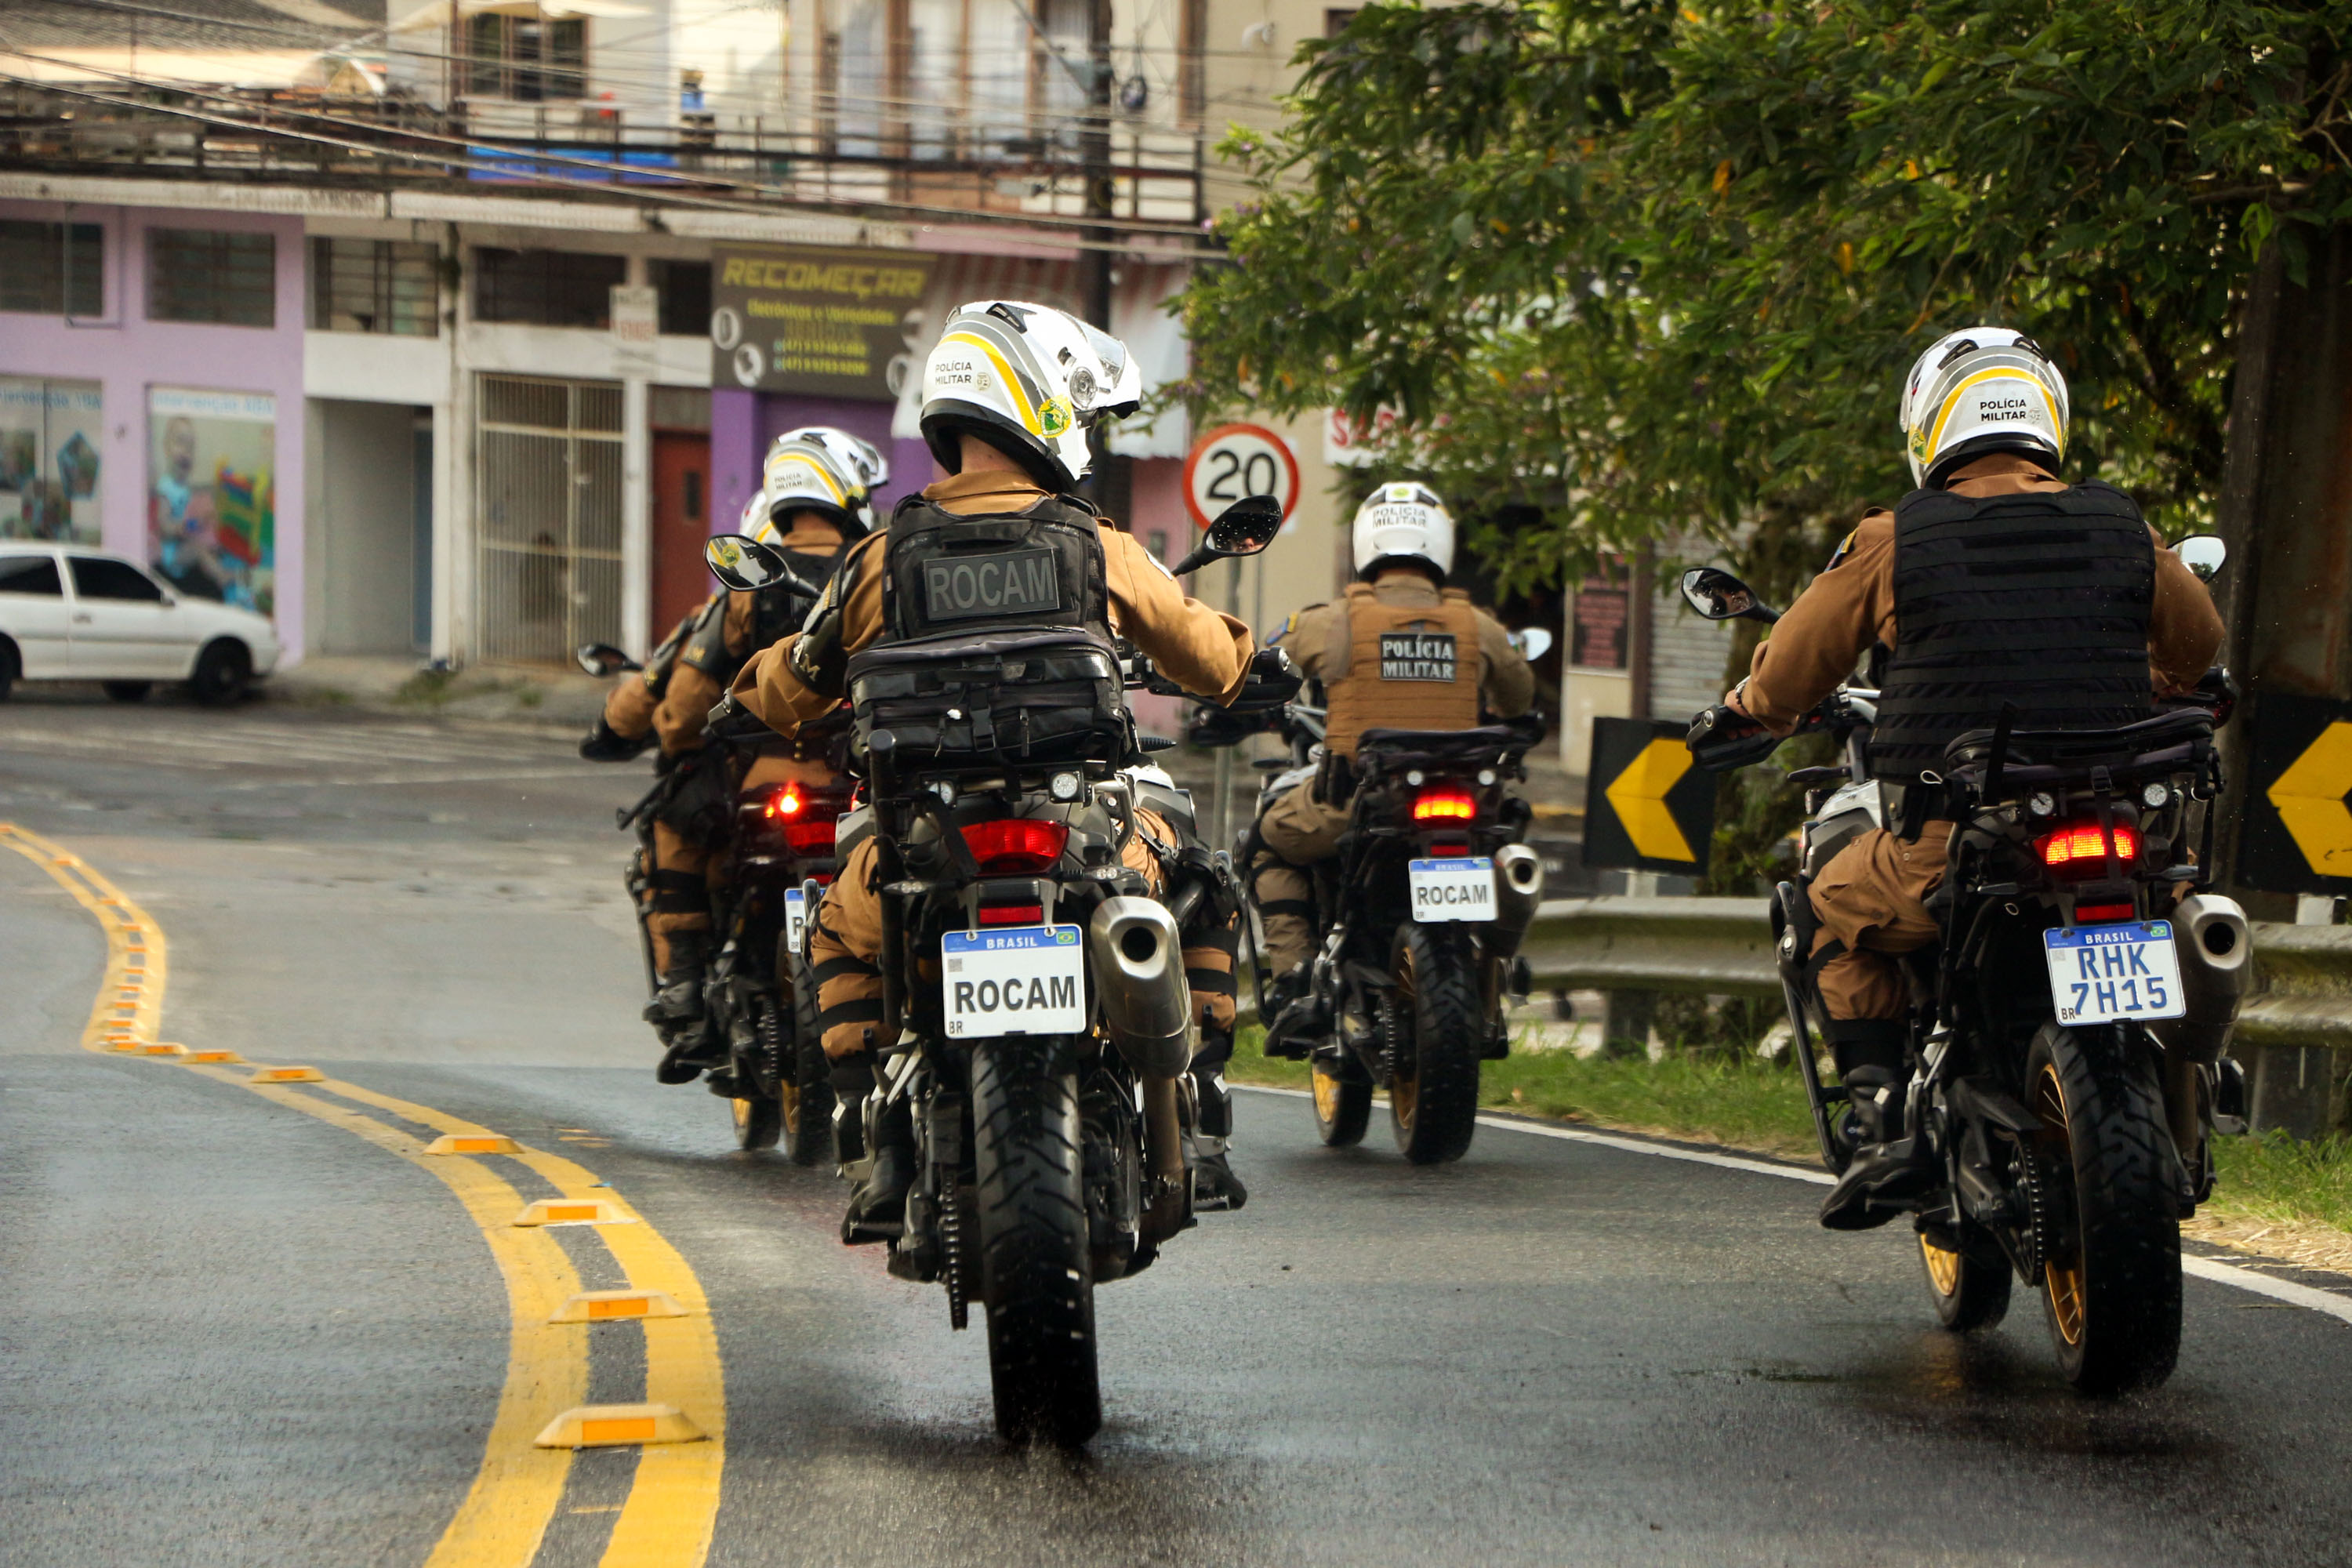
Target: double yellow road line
x: 673, y: 1502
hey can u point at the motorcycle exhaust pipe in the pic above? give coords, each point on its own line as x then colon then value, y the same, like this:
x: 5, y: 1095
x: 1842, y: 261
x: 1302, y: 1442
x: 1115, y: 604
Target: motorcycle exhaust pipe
x: 1518, y: 890
x: 1138, y: 965
x: 2217, y: 967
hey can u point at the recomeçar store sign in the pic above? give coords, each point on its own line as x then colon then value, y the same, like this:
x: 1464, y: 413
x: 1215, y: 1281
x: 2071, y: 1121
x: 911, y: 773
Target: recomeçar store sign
x: 824, y: 322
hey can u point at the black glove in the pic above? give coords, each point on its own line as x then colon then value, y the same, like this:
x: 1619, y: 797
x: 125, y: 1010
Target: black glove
x: 730, y: 721
x: 1273, y: 680
x: 603, y: 744
x: 1723, y: 738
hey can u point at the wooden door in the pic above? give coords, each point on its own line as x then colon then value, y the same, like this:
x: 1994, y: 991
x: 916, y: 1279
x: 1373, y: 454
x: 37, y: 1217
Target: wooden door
x: 681, y: 524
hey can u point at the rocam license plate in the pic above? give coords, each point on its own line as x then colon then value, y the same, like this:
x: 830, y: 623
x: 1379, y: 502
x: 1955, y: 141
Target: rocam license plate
x: 1455, y: 890
x: 1022, y: 980
x: 795, y: 919
x: 2101, y: 974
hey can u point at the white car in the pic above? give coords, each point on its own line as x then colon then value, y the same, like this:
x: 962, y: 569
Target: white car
x: 70, y: 613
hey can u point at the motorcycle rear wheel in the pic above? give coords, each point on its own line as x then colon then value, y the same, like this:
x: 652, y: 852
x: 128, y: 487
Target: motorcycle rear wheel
x: 1342, y: 1099
x: 1035, y: 1269
x: 1967, y: 1287
x: 757, y: 1121
x: 2111, y: 1281
x: 1433, y: 1085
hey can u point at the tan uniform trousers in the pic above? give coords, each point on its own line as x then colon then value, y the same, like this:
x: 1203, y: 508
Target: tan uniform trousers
x: 846, y: 939
x: 1297, y: 831
x: 1872, y: 897
x: 683, y: 873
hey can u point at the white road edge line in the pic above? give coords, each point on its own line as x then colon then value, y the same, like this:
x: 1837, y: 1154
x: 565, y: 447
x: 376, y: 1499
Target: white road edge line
x: 2334, y: 1306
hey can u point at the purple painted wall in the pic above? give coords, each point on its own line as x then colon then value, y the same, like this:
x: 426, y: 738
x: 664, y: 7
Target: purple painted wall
x: 128, y: 353
x: 742, y: 423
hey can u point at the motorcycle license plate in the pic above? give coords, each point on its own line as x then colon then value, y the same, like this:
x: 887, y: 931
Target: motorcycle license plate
x: 1022, y: 980
x: 1456, y: 890
x: 2101, y: 974
x: 795, y: 919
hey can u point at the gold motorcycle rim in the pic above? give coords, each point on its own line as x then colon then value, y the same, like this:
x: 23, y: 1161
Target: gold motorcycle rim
x: 788, y: 1100
x: 2062, y: 1278
x: 1404, y: 1084
x: 742, y: 1109
x: 1943, y: 1266
x: 1326, y: 1095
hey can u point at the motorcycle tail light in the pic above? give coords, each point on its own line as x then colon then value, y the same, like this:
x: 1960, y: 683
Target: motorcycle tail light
x: 2079, y: 850
x: 1443, y: 803
x: 2095, y: 914
x: 810, y: 837
x: 785, y: 802
x: 1013, y: 914
x: 1016, y: 845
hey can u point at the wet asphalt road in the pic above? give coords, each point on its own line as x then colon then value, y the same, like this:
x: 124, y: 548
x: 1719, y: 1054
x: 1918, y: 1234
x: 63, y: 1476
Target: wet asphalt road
x: 231, y: 1333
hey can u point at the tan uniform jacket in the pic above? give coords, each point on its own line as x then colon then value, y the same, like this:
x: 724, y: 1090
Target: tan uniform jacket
x: 1192, y: 645
x: 1313, y: 633
x: 683, y: 707
x: 1851, y: 605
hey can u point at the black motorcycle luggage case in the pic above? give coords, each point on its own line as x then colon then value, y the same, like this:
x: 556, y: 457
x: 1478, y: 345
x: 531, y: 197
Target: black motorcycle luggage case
x: 1032, y: 697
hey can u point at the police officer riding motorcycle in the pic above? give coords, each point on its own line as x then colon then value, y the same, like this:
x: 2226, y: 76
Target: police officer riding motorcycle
x: 1984, y: 927
x: 1387, y: 872
x: 1002, y: 970
x: 815, y: 499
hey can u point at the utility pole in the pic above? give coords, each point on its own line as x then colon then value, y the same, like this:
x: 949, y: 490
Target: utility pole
x: 1094, y: 152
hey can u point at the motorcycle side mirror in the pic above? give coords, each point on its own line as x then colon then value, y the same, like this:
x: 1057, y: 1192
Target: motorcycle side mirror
x: 601, y: 658
x: 2203, y: 553
x: 1533, y: 643
x: 1244, y: 528
x: 1717, y: 596
x: 746, y: 565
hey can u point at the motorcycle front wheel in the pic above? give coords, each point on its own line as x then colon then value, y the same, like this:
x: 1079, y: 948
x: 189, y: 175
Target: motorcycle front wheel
x: 1966, y: 1284
x: 1342, y: 1100
x: 2111, y: 1247
x: 1433, y: 1083
x: 1035, y: 1269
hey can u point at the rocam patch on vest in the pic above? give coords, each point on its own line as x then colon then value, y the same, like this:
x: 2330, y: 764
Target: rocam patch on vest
x: 1008, y: 583
x: 1417, y: 656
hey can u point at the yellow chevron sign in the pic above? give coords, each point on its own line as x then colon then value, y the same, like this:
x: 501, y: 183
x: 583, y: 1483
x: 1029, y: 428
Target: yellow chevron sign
x: 1645, y: 807
x: 2309, y: 798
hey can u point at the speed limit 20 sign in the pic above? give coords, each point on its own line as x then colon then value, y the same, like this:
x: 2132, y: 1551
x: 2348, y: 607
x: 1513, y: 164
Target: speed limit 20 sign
x: 1238, y: 460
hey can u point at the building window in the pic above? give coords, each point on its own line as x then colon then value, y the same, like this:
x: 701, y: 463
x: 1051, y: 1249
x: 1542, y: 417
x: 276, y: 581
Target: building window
x: 526, y: 58
x: 211, y: 276
x: 50, y: 434
x: 52, y: 269
x: 1336, y: 20
x: 685, y: 288
x: 374, y: 286
x: 547, y: 288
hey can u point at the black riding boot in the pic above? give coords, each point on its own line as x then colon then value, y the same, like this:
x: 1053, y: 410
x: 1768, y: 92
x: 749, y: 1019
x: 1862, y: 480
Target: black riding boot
x: 1294, y: 1020
x: 676, y: 1011
x: 1214, y: 1186
x: 878, y: 1208
x: 1889, y: 1170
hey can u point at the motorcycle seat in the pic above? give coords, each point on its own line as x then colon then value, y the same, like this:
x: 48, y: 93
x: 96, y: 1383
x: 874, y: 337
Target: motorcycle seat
x: 2167, y: 741
x: 1446, y: 745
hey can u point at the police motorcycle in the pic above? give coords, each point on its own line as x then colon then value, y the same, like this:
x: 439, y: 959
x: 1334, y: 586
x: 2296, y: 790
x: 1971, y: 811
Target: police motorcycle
x: 1423, y: 910
x: 1036, y: 1022
x: 2068, y: 1028
x: 759, y: 1011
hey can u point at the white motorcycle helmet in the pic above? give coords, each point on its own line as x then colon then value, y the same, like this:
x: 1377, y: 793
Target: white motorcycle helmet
x: 1030, y: 379
x: 1987, y: 389
x: 1403, y: 522
x: 819, y: 468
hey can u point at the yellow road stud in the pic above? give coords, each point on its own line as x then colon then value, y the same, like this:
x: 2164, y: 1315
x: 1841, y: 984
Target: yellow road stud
x: 571, y: 1211
x: 163, y: 1048
x: 618, y: 1426
x: 607, y: 1306
x: 473, y: 1143
x: 290, y: 1075
x: 195, y: 1056
x: 122, y: 1043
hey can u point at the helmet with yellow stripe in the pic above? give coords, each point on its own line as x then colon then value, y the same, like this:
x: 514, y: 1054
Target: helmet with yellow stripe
x: 1028, y: 380
x: 1981, y: 391
x: 819, y: 468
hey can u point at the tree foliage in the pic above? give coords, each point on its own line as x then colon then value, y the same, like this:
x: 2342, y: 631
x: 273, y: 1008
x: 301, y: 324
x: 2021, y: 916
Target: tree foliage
x: 1623, y: 268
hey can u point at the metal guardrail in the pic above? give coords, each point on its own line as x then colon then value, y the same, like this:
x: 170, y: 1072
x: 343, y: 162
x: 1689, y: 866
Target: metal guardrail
x: 2294, y: 1033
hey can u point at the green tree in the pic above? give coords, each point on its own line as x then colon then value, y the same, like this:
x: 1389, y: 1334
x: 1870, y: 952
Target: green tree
x: 1625, y: 268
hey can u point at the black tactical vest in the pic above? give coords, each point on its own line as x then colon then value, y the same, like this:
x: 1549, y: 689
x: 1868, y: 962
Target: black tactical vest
x: 776, y: 613
x: 2036, y: 600
x: 947, y: 575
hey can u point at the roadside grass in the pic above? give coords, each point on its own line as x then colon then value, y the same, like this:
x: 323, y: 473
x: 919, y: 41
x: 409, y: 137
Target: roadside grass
x: 2270, y: 1178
